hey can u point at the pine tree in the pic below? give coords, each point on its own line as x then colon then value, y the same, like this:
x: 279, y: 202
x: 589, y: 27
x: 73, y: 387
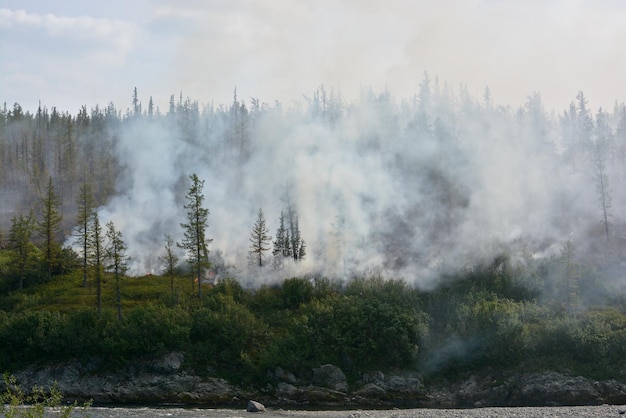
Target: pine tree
x: 20, y: 243
x: 169, y: 259
x: 85, y: 205
x: 281, y: 243
x: 194, y: 240
x: 115, y: 253
x: 295, y: 243
x: 48, y: 227
x: 95, y: 255
x: 259, y: 240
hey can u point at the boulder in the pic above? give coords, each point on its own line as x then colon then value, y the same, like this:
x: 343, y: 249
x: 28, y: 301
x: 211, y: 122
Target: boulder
x: 554, y: 389
x: 254, y: 406
x: 371, y: 391
x: 331, y: 377
x: 407, y: 385
x: 612, y: 391
x: 149, y: 381
x: 285, y: 376
x: 288, y: 393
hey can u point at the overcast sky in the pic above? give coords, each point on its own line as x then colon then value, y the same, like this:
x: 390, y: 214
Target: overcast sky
x: 75, y: 52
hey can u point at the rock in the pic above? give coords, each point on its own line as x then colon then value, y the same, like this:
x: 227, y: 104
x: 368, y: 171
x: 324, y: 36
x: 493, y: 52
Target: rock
x: 612, y: 391
x: 169, y: 363
x: 285, y: 376
x: 371, y: 391
x: 331, y: 377
x: 376, y: 377
x: 315, y: 395
x: 285, y: 391
x: 555, y: 389
x: 480, y: 391
x: 254, y: 406
x: 411, y: 383
x: 137, y: 383
x: 163, y: 379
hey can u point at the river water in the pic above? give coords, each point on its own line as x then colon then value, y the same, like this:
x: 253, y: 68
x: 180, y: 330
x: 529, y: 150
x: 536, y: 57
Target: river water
x: 603, y: 411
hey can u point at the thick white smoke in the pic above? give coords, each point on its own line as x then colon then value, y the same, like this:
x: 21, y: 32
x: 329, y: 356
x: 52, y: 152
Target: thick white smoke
x: 408, y: 188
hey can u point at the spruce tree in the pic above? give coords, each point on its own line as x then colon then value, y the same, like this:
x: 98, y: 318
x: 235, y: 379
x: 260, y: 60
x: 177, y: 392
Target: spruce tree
x: 281, y: 243
x: 169, y: 260
x: 194, y: 239
x: 259, y: 240
x: 48, y: 227
x: 20, y: 243
x: 115, y: 253
x: 95, y: 256
x: 85, y: 206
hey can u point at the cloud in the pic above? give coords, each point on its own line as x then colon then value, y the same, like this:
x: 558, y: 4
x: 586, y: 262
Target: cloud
x: 62, y: 59
x: 283, y: 49
x: 117, y: 35
x: 280, y: 50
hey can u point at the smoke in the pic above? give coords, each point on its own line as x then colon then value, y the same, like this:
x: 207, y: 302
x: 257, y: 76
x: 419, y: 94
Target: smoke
x: 411, y: 189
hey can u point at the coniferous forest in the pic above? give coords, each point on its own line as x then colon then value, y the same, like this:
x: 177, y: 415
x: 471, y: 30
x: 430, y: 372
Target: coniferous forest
x: 441, y: 232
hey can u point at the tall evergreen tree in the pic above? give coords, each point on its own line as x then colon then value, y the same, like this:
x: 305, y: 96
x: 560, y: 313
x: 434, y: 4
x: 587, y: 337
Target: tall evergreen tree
x: 85, y: 204
x: 194, y: 239
x: 49, y: 226
x: 20, y: 243
x: 115, y: 253
x: 259, y: 240
x: 169, y: 260
x: 295, y: 246
x: 96, y: 256
x: 281, y: 242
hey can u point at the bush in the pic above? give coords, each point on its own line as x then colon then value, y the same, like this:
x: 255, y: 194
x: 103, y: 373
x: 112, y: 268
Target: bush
x: 229, y: 339
x: 149, y: 329
x: 16, y: 403
x: 353, y: 333
x: 296, y: 292
x: 32, y: 337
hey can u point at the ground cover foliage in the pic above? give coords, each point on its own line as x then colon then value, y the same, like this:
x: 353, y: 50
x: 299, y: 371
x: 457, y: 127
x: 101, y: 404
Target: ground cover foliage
x: 485, y: 317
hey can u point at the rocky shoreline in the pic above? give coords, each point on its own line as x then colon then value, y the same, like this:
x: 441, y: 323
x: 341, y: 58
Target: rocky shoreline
x: 164, y: 380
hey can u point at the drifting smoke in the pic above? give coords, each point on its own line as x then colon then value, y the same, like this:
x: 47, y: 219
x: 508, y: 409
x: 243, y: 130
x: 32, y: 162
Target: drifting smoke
x: 410, y: 189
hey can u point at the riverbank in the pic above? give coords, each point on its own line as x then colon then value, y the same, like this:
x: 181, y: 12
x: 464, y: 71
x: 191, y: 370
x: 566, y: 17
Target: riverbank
x: 601, y: 411
x: 164, y: 381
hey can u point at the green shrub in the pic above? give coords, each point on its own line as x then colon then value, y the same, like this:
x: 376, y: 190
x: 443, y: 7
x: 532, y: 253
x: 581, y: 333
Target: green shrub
x: 153, y: 329
x: 17, y: 403
x: 296, y: 292
x: 229, y: 339
x: 351, y: 332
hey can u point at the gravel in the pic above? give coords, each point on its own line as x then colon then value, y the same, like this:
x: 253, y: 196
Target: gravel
x: 602, y: 411
x: 578, y: 411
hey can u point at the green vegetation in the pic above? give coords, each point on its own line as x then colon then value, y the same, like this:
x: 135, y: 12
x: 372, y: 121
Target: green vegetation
x: 38, y: 403
x: 485, y: 317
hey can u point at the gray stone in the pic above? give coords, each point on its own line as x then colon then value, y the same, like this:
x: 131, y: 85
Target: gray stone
x: 287, y: 391
x: 371, y: 391
x: 285, y: 376
x: 331, y: 377
x: 376, y: 377
x: 552, y: 389
x: 254, y: 406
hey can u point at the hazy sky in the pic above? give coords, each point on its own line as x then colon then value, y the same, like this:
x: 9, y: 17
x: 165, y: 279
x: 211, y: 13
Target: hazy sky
x: 75, y: 52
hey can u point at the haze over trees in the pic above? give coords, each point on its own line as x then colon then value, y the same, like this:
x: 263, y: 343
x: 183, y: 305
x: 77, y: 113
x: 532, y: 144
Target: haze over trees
x: 421, y: 186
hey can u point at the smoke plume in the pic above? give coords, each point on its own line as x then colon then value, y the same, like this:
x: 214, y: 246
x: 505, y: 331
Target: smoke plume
x: 410, y: 188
